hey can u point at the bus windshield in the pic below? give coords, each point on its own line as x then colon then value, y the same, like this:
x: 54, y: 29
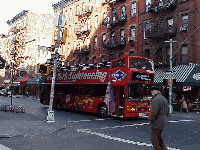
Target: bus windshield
x: 138, y: 92
x: 141, y: 64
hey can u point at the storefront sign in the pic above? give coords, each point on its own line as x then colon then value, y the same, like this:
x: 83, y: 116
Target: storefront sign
x: 196, y: 76
x: 186, y: 88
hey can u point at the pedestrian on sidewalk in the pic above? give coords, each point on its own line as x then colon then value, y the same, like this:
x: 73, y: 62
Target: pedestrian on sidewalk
x: 184, y: 104
x: 158, y: 117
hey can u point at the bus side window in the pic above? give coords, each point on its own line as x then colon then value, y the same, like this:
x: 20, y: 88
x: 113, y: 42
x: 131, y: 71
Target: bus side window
x: 88, y: 90
x: 81, y: 90
x: 76, y: 92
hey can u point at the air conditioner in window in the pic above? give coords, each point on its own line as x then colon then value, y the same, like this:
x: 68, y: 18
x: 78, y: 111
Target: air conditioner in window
x: 130, y: 39
x: 183, y: 28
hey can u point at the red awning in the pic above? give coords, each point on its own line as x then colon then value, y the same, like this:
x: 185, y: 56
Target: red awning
x: 22, y: 80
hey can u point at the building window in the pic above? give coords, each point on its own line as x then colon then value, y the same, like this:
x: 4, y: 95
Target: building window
x: 68, y: 48
x: 71, y: 13
x: 168, y: 54
x: 96, y: 22
x: 83, y: 7
x: 131, y: 53
x: 147, y: 5
x: 89, y: 23
x: 147, y: 29
x: 121, y: 55
x: 123, y: 12
x: 103, y: 38
x: 97, y: 3
x: 184, y: 54
x: 170, y: 25
x: 95, y: 42
x: 113, y: 14
x: 133, y: 9
x: 70, y: 30
x: 111, y: 57
x: 94, y: 59
x: 103, y: 58
x: 86, y: 60
x: 66, y: 14
x: 73, y: 62
x: 147, y: 53
x: 80, y: 61
x: 121, y: 35
x: 184, y: 22
x: 77, y: 9
x: 68, y: 64
x: 132, y: 32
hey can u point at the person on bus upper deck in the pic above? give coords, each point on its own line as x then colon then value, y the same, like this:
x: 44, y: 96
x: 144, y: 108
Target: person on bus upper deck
x: 158, y: 117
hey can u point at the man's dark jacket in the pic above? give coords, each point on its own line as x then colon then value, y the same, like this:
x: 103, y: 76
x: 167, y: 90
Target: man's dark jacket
x: 159, y: 111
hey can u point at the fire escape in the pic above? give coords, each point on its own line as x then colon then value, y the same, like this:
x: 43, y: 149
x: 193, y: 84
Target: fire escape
x: 156, y: 32
x: 111, y: 22
x: 83, y: 29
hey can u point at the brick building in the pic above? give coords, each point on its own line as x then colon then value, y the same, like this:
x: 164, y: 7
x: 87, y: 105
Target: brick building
x: 103, y: 30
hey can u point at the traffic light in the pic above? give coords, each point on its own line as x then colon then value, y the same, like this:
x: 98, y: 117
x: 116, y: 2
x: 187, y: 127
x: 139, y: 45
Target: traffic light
x: 166, y: 81
x: 173, y: 81
x: 49, y: 72
x: 42, y: 69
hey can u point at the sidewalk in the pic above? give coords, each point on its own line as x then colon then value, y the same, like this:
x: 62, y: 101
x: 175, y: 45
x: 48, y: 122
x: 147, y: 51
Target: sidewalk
x: 30, y: 123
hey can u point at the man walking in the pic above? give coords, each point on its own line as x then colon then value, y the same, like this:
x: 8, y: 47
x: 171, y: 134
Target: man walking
x: 158, y: 117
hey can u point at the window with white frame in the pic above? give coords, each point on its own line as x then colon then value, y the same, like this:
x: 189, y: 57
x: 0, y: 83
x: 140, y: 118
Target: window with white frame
x: 94, y: 59
x: 147, y: 5
x: 184, y: 52
x: 96, y: 22
x: 123, y: 12
x: 95, y: 41
x: 74, y: 62
x: 170, y: 25
x: 133, y: 9
x: 122, y: 35
x: 75, y: 27
x: 147, y: 29
x: 70, y: 30
x: 113, y: 14
x: 103, y: 38
x: 75, y: 45
x: 132, y: 32
x: 71, y: 13
x: 89, y: 23
x: 97, y: 3
x: 66, y: 15
x: 68, y: 48
x: 184, y: 22
x: 77, y: 9
x: 103, y: 58
x: 83, y: 7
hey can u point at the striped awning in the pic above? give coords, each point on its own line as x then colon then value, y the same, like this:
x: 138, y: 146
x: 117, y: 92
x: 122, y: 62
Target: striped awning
x: 180, y: 73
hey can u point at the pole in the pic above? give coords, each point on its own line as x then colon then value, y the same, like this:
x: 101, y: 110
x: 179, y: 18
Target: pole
x: 170, y: 76
x: 50, y: 113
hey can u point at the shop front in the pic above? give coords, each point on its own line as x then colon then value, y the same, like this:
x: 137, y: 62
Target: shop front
x: 187, y: 83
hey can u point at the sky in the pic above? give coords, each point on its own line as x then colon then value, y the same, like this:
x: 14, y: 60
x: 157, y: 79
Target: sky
x: 10, y: 8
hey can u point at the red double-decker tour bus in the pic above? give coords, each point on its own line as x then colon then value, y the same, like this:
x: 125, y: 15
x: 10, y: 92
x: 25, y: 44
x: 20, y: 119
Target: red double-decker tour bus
x: 119, y: 89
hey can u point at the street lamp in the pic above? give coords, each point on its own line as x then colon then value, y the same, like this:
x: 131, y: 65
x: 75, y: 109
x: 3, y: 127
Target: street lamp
x: 171, y: 75
x: 50, y: 113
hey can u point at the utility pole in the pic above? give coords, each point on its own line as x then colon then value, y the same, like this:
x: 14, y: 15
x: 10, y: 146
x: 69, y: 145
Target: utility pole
x: 50, y: 113
x: 171, y: 75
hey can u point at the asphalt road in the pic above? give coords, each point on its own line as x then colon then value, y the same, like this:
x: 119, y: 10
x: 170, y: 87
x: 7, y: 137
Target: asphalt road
x: 83, y: 131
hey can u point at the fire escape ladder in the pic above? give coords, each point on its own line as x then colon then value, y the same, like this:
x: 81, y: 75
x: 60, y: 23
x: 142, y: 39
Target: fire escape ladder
x: 159, y: 23
x: 158, y: 56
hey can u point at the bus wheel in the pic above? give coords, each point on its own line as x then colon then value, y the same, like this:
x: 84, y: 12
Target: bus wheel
x: 59, y: 105
x: 102, y: 111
